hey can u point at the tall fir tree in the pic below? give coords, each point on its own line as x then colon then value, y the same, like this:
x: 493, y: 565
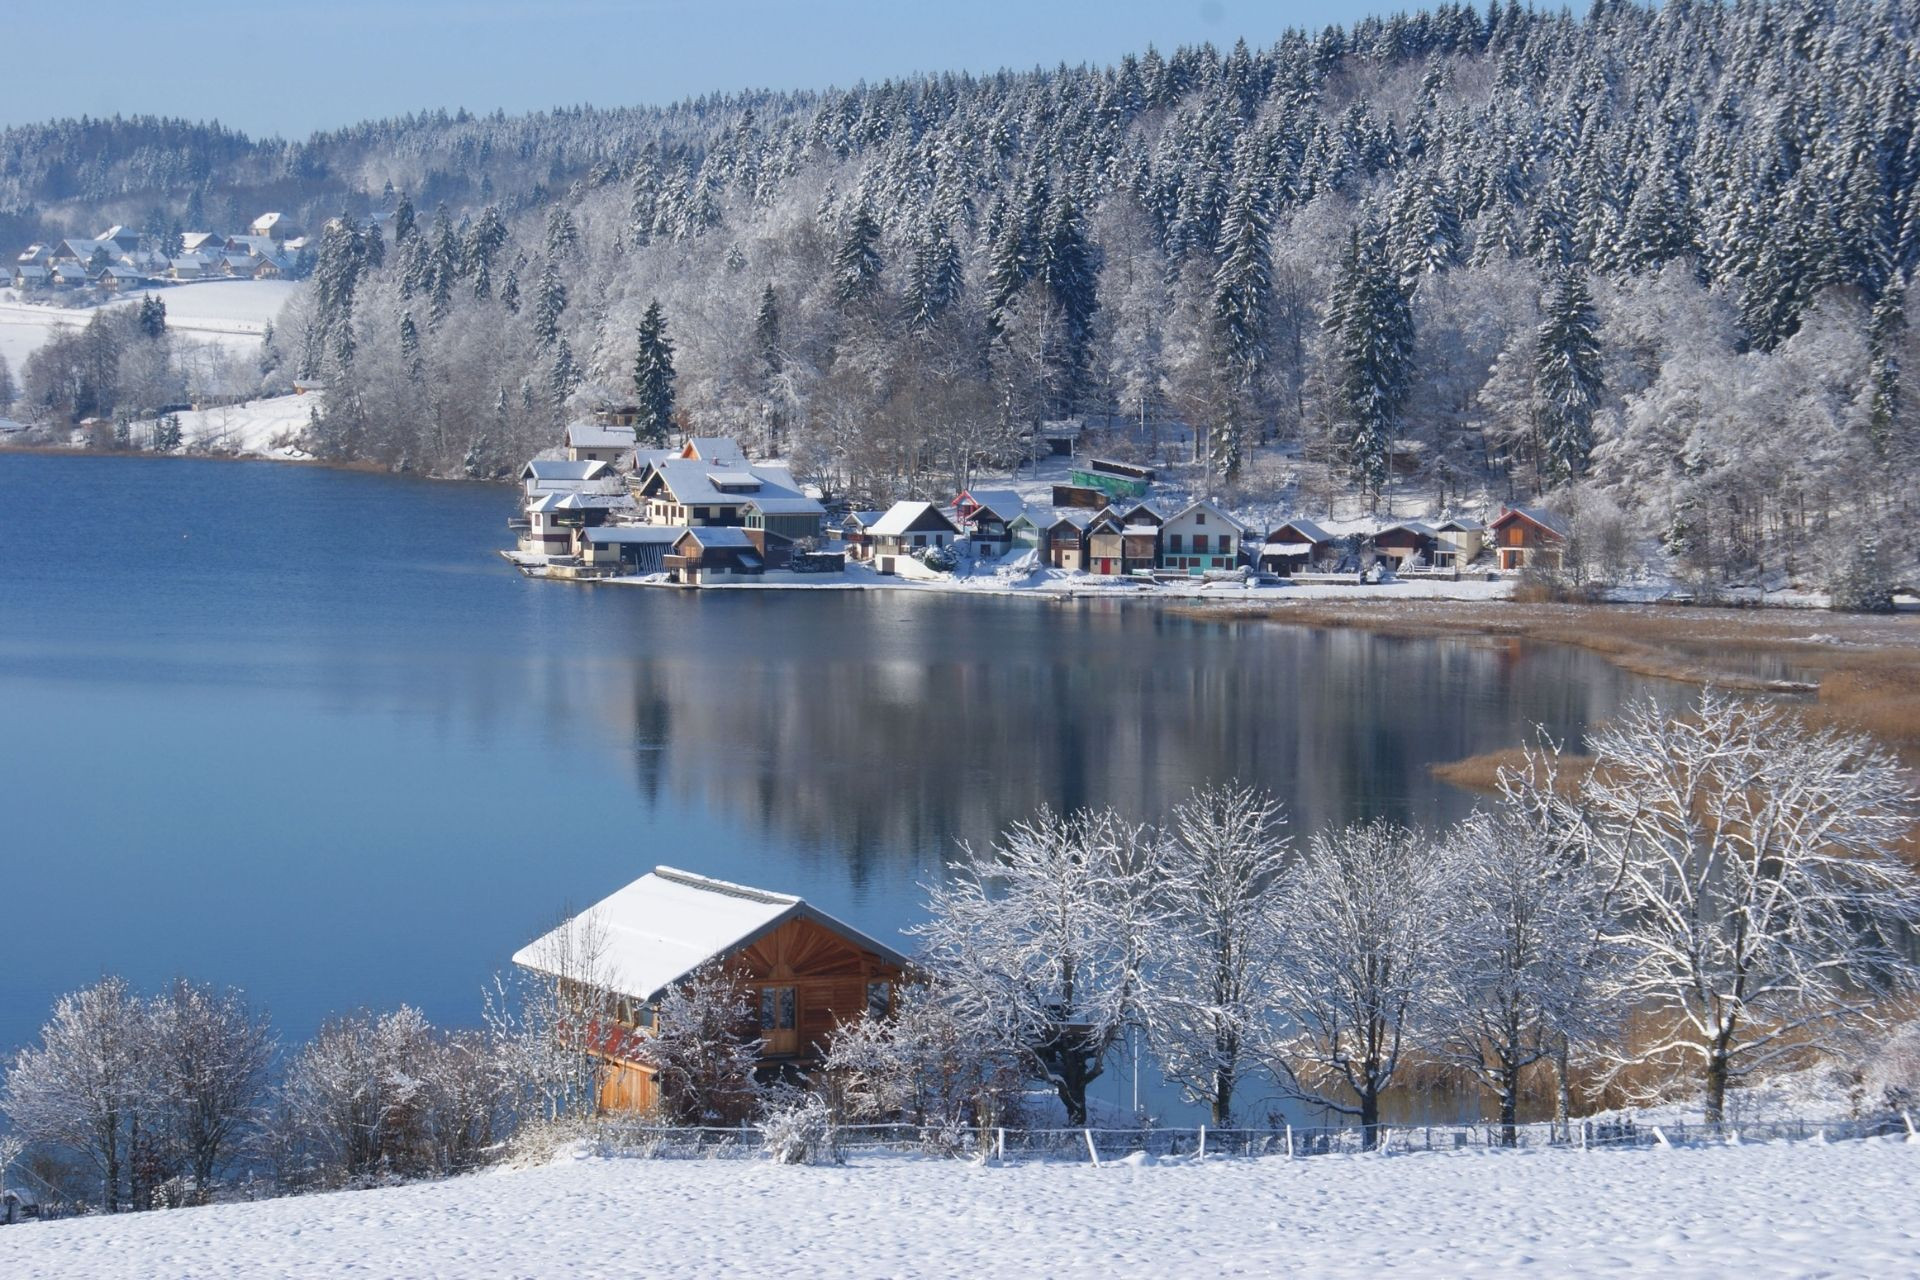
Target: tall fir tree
x: 549, y: 304
x: 766, y: 331
x: 856, y: 262
x: 1371, y: 323
x: 653, y: 378
x: 1566, y: 375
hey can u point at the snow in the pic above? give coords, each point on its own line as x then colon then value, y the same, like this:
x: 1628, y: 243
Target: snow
x: 255, y: 427
x: 232, y: 312
x: 1755, y: 1210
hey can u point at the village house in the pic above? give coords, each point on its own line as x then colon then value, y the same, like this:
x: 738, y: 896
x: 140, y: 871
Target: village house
x: 28, y: 275
x: 856, y: 531
x: 1407, y: 545
x: 1026, y: 532
x: 1123, y: 542
x: 590, y: 441
x: 908, y: 527
x: 790, y: 519
x: 189, y: 266
x: 552, y: 475
x: 117, y: 278
x: 1064, y: 540
x: 1529, y: 537
x: 36, y: 255
x: 272, y: 226
x: 986, y: 516
x: 1200, y: 538
x: 723, y: 551
x: 635, y: 549
x: 1458, y: 542
x: 1296, y: 547
x: 714, y: 449
x: 552, y: 519
x: 70, y: 275
x: 808, y: 972
x: 699, y: 492
x: 202, y: 244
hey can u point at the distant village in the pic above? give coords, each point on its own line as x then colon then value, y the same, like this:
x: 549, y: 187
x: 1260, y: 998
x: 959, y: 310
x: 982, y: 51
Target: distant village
x: 121, y: 258
x: 704, y: 514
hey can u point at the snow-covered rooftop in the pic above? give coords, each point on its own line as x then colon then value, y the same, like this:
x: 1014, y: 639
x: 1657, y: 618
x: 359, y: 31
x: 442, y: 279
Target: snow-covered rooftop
x: 900, y: 517
x: 591, y: 435
x: 669, y: 922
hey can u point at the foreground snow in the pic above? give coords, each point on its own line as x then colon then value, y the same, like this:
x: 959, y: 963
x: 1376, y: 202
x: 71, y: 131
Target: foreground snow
x: 1754, y: 1211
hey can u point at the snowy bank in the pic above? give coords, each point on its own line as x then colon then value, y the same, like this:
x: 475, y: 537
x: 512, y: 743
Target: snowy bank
x: 1756, y: 1210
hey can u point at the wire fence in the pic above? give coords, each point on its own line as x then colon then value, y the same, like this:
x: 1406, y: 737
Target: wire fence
x: 1101, y: 1144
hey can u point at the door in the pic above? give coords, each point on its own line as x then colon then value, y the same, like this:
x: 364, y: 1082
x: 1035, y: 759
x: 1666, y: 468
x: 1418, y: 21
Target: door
x: 779, y: 1021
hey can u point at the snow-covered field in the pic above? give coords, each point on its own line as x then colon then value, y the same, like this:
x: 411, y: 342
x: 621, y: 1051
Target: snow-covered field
x: 251, y: 428
x: 1754, y: 1211
x: 234, y: 312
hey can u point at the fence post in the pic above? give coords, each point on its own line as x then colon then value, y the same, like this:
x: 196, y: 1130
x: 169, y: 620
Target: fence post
x: 1000, y: 1143
x: 1911, y: 1135
x: 1386, y: 1140
x: 1203, y: 1139
x: 1659, y: 1138
x: 1583, y: 1134
x: 1289, y: 1142
x: 1091, y: 1149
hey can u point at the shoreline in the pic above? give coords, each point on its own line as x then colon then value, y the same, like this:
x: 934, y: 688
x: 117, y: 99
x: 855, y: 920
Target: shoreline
x: 359, y: 467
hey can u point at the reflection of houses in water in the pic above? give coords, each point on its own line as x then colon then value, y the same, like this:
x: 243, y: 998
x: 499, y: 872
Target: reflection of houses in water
x: 884, y: 730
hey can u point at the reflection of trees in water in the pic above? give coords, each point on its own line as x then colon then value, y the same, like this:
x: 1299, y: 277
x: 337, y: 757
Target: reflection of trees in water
x: 889, y: 746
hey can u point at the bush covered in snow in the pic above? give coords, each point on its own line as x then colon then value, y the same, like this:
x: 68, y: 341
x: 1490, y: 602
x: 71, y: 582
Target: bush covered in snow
x: 800, y: 1131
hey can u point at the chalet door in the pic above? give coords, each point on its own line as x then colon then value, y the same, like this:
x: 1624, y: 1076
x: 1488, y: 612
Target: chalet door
x: 779, y: 1020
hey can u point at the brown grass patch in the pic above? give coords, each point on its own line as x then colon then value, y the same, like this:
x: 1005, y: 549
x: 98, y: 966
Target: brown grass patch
x: 1482, y: 772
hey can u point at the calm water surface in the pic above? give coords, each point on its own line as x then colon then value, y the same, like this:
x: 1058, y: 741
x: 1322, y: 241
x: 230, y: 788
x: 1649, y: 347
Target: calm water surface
x: 302, y: 731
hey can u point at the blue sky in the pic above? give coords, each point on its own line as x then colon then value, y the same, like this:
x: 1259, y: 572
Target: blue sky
x: 290, y: 69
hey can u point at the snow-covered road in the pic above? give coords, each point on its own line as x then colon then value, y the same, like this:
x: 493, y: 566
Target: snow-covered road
x: 1751, y: 1211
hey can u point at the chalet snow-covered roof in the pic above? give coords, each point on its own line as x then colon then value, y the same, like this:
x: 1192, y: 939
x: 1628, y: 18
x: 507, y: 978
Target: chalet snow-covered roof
x: 1414, y: 527
x: 1212, y: 508
x: 1307, y: 531
x: 714, y: 449
x: 781, y: 505
x: 585, y: 434
x: 265, y: 223
x: 1003, y: 503
x: 562, y: 469
x: 192, y: 240
x: 715, y: 536
x: 862, y: 519
x: 1540, y: 516
x: 668, y: 923
x: 28, y: 271
x: 578, y: 501
x: 1460, y: 524
x: 690, y: 481
x: 904, y: 517
x: 1078, y: 519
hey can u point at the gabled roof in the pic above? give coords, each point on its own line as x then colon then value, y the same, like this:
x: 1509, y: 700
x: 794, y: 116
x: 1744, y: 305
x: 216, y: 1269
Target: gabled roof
x: 713, y: 449
x: 1212, y: 508
x: 577, y: 501
x: 1078, y: 519
x: 1307, y: 530
x: 1414, y: 527
x: 1127, y: 513
x: 691, y: 481
x: 1537, y: 516
x: 561, y: 469
x: 1460, y: 524
x: 591, y: 435
x: 1003, y: 503
x: 663, y: 534
x: 781, y: 505
x: 712, y: 537
x: 905, y: 517
x: 862, y: 519
x: 668, y: 923
x: 30, y: 271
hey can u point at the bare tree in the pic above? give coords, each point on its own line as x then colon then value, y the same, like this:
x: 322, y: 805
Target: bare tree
x: 1761, y: 902
x: 1358, y: 953
x: 704, y: 1051
x: 923, y: 1061
x: 554, y: 1023
x: 210, y: 1054
x: 1209, y: 1008
x: 1045, y: 940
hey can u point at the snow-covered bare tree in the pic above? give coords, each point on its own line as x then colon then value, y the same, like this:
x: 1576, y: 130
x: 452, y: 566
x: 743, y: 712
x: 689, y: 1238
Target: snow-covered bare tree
x: 87, y: 1088
x: 706, y: 1048
x: 1209, y: 1005
x: 211, y: 1055
x: 926, y: 1062
x: 1045, y: 938
x: 1761, y: 904
x: 1358, y: 958
x: 553, y: 1021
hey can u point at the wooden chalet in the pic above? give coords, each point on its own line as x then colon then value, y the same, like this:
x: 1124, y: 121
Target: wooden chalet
x: 1063, y: 542
x: 1123, y: 542
x: 987, y: 516
x: 1296, y: 547
x: 856, y: 531
x: 808, y: 971
x: 699, y: 492
x: 700, y: 555
x: 1529, y: 537
x: 908, y: 527
x: 1407, y: 545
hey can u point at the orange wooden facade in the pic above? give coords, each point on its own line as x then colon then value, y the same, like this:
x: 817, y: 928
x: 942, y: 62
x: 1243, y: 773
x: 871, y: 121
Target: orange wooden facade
x: 806, y: 980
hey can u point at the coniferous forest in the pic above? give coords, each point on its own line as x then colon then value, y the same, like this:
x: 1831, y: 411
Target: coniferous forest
x: 1649, y: 262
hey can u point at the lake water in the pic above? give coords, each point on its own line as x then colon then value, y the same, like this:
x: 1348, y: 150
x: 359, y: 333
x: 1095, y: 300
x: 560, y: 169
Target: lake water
x: 303, y: 732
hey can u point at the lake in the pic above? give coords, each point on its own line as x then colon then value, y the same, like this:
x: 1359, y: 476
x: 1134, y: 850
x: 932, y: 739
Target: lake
x: 302, y: 731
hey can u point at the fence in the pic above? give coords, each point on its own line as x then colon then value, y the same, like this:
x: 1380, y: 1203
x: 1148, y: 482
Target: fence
x: 615, y: 1137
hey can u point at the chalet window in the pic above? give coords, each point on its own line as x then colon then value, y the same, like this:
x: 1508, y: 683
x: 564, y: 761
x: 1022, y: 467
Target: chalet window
x: 1200, y: 543
x: 776, y: 1008
x: 919, y: 539
x: 879, y: 999
x: 1199, y: 517
x: 1173, y: 542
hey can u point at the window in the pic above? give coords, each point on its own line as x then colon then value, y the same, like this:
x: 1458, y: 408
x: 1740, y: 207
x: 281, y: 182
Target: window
x: 879, y: 999
x: 1173, y: 543
x: 1200, y: 543
x: 1199, y: 517
x: 776, y: 1008
x: 919, y: 539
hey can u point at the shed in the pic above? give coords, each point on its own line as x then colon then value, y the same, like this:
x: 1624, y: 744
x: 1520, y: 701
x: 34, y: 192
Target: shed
x: 1529, y: 537
x: 1295, y: 547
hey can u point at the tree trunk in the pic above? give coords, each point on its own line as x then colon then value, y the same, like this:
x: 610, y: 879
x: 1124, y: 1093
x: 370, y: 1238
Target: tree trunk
x: 1509, y: 1105
x: 1717, y: 1083
x: 1563, y: 1087
x: 1370, y: 1118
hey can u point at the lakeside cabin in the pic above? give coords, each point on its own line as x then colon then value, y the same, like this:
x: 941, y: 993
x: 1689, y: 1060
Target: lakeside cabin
x: 1200, y: 538
x: 590, y: 441
x: 808, y: 971
x: 1529, y: 537
x: 987, y: 516
x: 1063, y: 541
x: 1458, y: 542
x: 908, y: 527
x: 1407, y: 545
x: 1296, y: 547
x: 552, y: 475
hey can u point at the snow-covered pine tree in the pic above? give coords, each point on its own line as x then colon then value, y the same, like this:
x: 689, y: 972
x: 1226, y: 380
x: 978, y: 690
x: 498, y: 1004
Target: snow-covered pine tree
x: 856, y: 261
x: 1371, y: 327
x: 549, y: 304
x: 653, y: 376
x: 1567, y: 372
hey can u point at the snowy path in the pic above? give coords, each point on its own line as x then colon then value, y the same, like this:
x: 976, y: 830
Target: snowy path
x: 1752, y: 1211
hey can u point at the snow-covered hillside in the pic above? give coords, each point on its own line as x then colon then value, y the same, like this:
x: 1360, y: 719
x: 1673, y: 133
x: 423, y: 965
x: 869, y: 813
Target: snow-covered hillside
x: 1753, y: 1211
x: 232, y: 312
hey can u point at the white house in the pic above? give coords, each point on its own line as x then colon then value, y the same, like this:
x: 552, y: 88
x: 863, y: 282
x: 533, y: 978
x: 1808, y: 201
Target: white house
x: 589, y: 441
x: 908, y: 527
x: 1201, y: 536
